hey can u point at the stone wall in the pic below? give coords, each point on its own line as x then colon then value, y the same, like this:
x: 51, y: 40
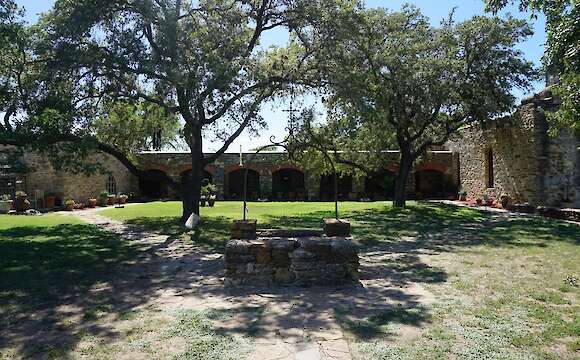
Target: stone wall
x: 42, y: 179
x: 80, y: 187
x: 288, y: 261
x: 529, y: 165
x: 266, y: 163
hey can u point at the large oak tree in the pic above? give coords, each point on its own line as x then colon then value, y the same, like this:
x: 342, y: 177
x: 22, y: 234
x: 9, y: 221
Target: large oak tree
x: 201, y: 60
x: 393, y: 77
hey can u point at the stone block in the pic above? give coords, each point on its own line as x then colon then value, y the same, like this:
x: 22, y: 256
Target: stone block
x: 282, y: 244
x: 336, y: 227
x: 243, y: 229
x: 284, y: 276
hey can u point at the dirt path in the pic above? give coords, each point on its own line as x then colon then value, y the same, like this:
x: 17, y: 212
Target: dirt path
x: 287, y: 323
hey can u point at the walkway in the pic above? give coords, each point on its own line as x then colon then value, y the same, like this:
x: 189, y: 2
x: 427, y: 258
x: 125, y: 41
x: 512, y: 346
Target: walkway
x: 290, y: 323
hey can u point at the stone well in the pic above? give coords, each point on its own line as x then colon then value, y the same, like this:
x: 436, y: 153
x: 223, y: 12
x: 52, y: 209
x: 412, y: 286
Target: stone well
x: 284, y: 258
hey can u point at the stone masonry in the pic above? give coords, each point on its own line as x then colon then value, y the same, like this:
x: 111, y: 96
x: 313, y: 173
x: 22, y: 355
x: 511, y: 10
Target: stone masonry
x: 291, y: 261
x: 528, y: 164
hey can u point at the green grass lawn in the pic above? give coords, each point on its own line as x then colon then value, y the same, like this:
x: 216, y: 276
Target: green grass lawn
x: 264, y: 212
x: 46, y: 258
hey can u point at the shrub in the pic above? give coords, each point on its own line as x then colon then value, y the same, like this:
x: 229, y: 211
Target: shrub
x: 104, y: 194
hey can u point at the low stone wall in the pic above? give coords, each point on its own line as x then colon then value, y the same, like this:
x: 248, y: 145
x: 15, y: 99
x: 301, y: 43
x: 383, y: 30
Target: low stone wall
x: 291, y: 261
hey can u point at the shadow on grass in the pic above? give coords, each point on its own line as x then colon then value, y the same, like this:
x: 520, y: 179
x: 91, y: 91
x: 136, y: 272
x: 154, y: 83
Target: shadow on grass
x: 56, y: 282
x: 382, y: 323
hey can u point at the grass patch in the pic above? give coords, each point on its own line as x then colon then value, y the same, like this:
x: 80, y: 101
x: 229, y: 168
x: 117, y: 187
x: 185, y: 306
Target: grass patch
x: 203, y: 341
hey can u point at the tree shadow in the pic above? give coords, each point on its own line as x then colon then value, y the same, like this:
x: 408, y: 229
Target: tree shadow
x: 56, y: 282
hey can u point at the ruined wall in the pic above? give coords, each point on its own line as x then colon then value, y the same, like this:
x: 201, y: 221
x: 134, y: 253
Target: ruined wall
x: 528, y: 165
x: 562, y: 169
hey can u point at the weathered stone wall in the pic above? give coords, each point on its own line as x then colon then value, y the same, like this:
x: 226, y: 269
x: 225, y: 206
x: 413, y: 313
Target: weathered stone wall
x: 44, y: 178
x: 173, y: 164
x: 562, y: 169
x: 528, y: 165
x: 281, y: 261
x: 80, y: 187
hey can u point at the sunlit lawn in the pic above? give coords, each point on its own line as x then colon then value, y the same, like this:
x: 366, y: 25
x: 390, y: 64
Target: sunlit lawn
x: 264, y: 212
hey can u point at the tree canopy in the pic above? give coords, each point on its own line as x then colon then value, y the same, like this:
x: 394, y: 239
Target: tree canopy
x: 392, y: 77
x: 562, y: 56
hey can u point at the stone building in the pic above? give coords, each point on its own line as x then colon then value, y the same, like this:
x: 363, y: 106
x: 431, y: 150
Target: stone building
x: 270, y: 176
x: 514, y: 155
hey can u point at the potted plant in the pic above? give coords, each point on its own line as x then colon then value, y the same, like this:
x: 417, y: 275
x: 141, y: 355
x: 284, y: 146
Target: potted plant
x: 479, y: 201
x: 208, y: 193
x: 487, y: 200
x: 202, y: 200
x: 21, y: 202
x: 211, y: 200
x: 69, y: 204
x: 111, y: 199
x: 5, y: 204
x: 103, y: 198
x: 505, y: 200
x: 92, y: 202
x: 462, y: 195
x: 122, y: 198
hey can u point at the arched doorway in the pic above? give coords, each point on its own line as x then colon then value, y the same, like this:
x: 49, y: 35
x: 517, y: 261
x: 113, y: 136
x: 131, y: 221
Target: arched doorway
x: 430, y: 184
x: 236, y: 184
x: 327, y: 187
x: 380, y: 185
x: 288, y: 184
x: 154, y: 184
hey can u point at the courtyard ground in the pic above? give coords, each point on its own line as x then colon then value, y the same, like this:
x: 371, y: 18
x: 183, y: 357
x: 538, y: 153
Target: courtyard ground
x: 437, y: 281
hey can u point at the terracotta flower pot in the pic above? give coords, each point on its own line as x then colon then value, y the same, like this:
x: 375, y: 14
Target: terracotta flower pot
x: 49, y: 201
x: 92, y: 203
x: 479, y: 202
x: 69, y: 207
x: 111, y: 200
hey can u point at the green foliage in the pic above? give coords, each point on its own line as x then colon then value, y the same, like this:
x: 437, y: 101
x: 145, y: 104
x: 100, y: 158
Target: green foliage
x: 209, y: 189
x: 562, y: 57
x: 104, y: 194
x: 397, y: 82
x: 132, y: 128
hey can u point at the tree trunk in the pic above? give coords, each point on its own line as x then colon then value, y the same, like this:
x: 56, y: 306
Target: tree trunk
x: 192, y: 185
x: 405, y: 166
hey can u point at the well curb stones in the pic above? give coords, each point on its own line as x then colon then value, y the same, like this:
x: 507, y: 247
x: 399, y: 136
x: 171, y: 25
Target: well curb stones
x: 291, y: 261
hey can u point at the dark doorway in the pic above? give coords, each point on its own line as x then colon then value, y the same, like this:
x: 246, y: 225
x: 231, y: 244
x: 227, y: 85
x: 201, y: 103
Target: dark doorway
x: 236, y: 184
x: 430, y: 184
x: 327, y: 187
x: 154, y: 184
x: 380, y: 185
x: 288, y: 184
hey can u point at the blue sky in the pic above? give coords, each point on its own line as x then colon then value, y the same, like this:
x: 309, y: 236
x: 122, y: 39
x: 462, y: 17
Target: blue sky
x: 436, y: 10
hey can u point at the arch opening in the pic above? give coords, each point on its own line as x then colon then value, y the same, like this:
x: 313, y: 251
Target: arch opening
x: 236, y: 184
x: 288, y: 184
x: 430, y: 184
x: 327, y: 187
x: 154, y: 185
x: 380, y: 185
